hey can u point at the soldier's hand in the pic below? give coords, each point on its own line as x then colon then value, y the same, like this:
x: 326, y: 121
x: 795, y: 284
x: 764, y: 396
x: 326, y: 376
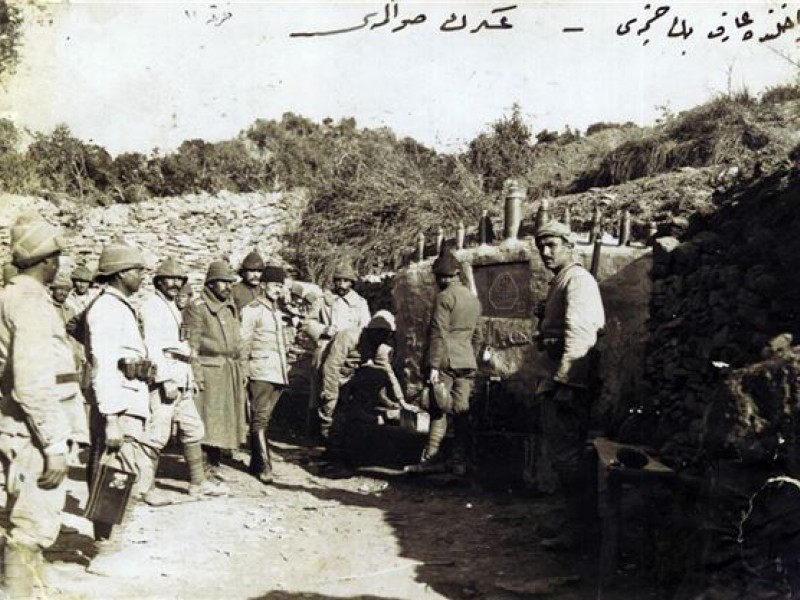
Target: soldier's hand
x: 171, y: 391
x: 113, y: 434
x: 55, y: 469
x: 434, y: 376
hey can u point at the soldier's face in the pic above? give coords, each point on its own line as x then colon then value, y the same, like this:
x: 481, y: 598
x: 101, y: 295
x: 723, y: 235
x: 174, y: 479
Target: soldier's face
x: 169, y: 286
x: 273, y: 289
x: 251, y: 278
x: 132, y: 279
x: 342, y: 286
x: 80, y: 287
x: 442, y: 281
x: 60, y: 295
x: 182, y: 301
x: 555, y: 252
x: 220, y: 289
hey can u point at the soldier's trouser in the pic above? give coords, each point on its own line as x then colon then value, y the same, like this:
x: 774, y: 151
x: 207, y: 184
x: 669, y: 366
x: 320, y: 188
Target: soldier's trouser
x: 264, y: 397
x: 333, y: 414
x: 135, y: 454
x: 563, y: 425
x: 34, y: 518
x: 458, y: 387
x: 315, y: 384
x: 182, y: 411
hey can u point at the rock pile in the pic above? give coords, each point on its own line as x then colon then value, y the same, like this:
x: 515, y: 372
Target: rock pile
x: 718, y: 297
x: 196, y: 229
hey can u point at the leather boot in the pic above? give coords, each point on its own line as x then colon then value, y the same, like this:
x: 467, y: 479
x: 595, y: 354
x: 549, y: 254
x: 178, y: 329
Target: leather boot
x: 256, y: 455
x: 261, y: 456
x: 21, y: 564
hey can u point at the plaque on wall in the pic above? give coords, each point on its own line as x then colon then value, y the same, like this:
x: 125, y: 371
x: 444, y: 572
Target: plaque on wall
x: 504, y: 289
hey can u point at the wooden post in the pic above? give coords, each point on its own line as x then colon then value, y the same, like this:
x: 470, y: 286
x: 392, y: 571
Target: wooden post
x: 652, y: 231
x: 513, y: 211
x: 568, y: 216
x: 460, y: 235
x: 595, y: 268
x: 625, y: 228
x: 483, y: 228
x: 543, y: 214
x: 421, y: 247
x: 439, y: 241
x: 594, y: 231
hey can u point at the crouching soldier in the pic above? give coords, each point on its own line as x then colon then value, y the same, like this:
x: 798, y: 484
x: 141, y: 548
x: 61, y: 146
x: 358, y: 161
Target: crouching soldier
x: 264, y: 354
x: 171, y: 397
x: 37, y: 369
x: 346, y: 388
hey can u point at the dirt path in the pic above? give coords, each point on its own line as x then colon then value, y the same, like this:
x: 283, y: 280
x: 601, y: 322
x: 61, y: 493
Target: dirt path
x: 310, y: 537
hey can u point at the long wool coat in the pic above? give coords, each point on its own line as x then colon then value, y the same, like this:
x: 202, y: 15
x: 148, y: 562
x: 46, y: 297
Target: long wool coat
x: 215, y: 338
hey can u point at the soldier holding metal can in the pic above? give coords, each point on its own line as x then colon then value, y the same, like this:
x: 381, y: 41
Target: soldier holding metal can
x: 121, y: 376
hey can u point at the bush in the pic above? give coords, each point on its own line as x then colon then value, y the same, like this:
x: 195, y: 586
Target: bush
x: 781, y: 93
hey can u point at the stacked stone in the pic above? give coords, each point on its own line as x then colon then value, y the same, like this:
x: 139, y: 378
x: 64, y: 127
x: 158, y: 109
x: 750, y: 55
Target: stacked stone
x: 718, y: 298
x: 196, y: 229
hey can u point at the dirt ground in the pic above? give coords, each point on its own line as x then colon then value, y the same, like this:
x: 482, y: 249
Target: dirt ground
x: 375, y: 535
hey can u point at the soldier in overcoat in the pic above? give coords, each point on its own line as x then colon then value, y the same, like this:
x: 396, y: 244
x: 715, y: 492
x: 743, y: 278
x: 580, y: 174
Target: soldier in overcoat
x: 215, y: 339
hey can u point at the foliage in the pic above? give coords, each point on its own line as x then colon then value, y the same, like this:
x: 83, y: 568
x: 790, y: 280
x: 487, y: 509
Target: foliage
x: 10, y: 36
x: 505, y: 152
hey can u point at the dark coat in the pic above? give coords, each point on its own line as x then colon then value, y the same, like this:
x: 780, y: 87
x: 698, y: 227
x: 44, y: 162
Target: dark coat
x: 214, y: 335
x: 453, y: 332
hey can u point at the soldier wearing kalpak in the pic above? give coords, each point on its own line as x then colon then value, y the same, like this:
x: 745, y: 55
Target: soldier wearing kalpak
x: 121, y: 375
x: 82, y: 293
x: 249, y: 288
x: 450, y: 352
x: 568, y: 331
x: 264, y: 353
x: 37, y: 376
x: 171, y: 397
x: 215, y: 340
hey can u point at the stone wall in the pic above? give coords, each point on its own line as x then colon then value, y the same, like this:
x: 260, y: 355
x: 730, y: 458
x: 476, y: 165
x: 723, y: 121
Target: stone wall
x: 196, y: 229
x: 625, y: 287
x: 719, y: 296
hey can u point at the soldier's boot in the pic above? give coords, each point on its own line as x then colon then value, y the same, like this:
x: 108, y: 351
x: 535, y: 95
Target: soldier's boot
x: 461, y: 428
x: 198, y: 484
x: 111, y: 559
x: 261, y: 456
x: 20, y: 567
x: 431, y: 462
x: 152, y: 496
x: 256, y: 455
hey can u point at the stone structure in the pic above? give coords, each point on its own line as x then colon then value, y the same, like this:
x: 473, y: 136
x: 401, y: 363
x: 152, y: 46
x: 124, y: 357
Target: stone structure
x: 511, y: 281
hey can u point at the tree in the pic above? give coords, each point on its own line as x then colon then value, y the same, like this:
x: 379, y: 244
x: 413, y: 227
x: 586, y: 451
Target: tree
x: 503, y: 153
x: 10, y: 37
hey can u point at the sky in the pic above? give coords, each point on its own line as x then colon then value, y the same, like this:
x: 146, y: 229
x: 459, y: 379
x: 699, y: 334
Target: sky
x: 133, y: 76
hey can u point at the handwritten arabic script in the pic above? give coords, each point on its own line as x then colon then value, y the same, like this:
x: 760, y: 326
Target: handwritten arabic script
x: 391, y: 19
x: 741, y: 27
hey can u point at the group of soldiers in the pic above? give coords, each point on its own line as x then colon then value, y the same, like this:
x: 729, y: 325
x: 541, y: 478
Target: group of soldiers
x: 81, y: 366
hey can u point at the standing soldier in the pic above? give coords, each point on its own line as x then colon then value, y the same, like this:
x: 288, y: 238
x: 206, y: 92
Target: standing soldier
x: 573, y: 316
x: 121, y: 375
x: 264, y: 352
x: 344, y: 309
x: 249, y: 288
x: 171, y: 398
x: 215, y: 340
x: 184, y: 297
x: 450, y: 357
x: 82, y: 294
x: 36, y: 366
x: 76, y: 408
